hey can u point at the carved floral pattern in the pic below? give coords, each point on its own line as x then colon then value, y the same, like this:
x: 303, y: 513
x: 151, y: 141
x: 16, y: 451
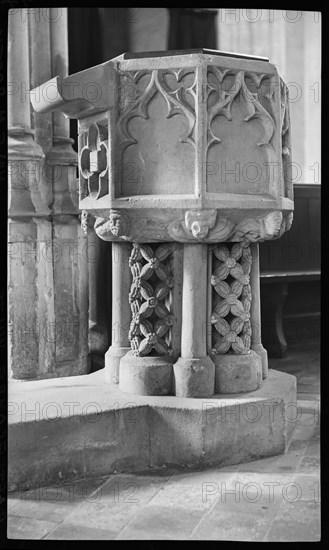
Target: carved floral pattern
x: 151, y: 285
x: 87, y: 221
x: 235, y: 298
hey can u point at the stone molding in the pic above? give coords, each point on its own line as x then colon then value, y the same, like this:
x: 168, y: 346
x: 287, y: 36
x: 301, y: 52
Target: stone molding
x: 203, y: 226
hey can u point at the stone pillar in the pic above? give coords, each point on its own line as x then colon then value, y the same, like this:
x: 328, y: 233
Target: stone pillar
x: 48, y: 284
x: 121, y: 314
x: 194, y: 371
x: 71, y: 254
x: 255, y: 315
x: 28, y: 216
x: 99, y: 269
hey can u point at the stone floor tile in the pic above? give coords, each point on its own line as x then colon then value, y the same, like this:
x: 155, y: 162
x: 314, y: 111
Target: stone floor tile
x: 196, y: 497
x: 303, y: 432
x: 109, y: 516
x: 196, y: 478
x: 69, y: 531
x: 297, y: 446
x: 228, y: 526
x: 12, y: 501
x: 313, y: 448
x: 118, y: 501
x: 247, y: 519
x: 310, y: 465
x: 251, y: 488
x: 280, y: 464
x: 56, y: 502
x: 162, y: 522
x: 296, y: 521
x: 27, y: 528
x: 309, y: 487
x: 316, y: 433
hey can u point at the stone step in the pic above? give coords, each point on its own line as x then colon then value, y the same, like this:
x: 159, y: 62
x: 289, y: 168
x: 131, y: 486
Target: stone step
x: 79, y: 427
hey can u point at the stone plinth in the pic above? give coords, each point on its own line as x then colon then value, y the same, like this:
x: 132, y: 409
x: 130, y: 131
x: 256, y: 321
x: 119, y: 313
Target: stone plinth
x: 185, y: 163
x: 97, y: 430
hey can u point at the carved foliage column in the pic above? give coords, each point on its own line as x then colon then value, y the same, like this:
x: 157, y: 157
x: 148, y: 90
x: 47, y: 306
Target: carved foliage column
x: 239, y: 369
x: 150, y: 329
x: 231, y: 282
x: 147, y: 368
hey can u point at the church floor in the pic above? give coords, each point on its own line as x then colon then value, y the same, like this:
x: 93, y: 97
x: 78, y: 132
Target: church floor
x: 274, y: 499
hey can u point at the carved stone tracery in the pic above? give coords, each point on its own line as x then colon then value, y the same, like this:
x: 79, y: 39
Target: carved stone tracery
x: 93, y: 162
x: 226, y: 96
x: 134, y: 102
x: 151, y: 287
x: 286, y: 142
x: 234, y: 334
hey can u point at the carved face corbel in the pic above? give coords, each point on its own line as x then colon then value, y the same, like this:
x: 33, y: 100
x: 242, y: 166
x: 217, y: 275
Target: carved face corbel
x: 272, y: 224
x: 199, y: 223
x: 119, y: 223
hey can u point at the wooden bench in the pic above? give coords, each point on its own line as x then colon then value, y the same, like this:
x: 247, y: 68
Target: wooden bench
x: 290, y: 273
x: 275, y: 289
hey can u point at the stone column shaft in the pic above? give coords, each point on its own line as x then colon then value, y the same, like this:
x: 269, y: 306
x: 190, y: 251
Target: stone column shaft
x: 194, y: 371
x: 100, y: 276
x: 194, y: 300
x: 18, y: 69
x: 27, y: 224
x: 71, y: 265
x: 255, y: 314
x: 121, y: 314
x: 47, y: 247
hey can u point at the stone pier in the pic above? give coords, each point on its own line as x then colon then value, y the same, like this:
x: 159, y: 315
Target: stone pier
x: 48, y: 268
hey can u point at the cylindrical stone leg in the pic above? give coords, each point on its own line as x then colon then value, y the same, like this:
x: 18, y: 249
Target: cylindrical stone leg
x: 256, y: 337
x: 100, y: 275
x: 194, y: 372
x: 121, y: 314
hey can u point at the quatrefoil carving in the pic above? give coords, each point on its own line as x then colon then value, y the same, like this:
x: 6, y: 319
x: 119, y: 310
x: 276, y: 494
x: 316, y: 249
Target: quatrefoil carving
x: 93, y: 161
